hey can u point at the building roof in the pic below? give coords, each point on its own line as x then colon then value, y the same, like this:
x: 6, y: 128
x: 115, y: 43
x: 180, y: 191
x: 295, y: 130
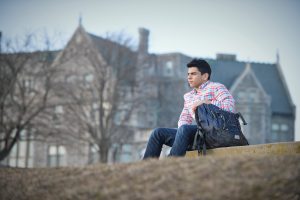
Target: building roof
x: 117, y: 54
x: 269, y: 76
x: 102, y: 45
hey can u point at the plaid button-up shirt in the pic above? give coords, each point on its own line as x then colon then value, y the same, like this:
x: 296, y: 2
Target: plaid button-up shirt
x: 215, y: 92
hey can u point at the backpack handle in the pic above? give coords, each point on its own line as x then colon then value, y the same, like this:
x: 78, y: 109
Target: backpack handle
x: 241, y: 116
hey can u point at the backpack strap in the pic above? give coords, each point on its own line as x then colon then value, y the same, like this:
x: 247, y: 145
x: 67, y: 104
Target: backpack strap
x: 241, y: 116
x: 195, y: 143
x: 203, y: 145
x: 198, y: 143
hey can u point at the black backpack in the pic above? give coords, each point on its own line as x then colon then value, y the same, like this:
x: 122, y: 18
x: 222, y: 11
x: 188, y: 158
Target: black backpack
x: 217, y: 128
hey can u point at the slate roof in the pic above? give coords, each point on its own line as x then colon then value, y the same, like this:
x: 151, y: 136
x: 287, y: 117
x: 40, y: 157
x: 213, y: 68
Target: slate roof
x: 227, y: 72
x: 109, y: 50
x: 102, y: 45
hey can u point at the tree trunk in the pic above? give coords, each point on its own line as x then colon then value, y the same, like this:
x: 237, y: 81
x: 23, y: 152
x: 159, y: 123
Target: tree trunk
x: 103, y: 153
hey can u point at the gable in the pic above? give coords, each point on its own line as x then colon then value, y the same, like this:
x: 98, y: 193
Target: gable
x: 79, y: 45
x: 268, y: 75
x: 108, y: 49
x: 248, y: 83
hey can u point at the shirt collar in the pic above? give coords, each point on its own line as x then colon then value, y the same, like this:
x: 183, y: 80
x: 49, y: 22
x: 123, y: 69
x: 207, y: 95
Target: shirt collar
x: 201, y: 87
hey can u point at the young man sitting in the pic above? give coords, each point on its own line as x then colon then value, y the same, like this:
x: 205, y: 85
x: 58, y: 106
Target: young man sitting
x: 204, y: 91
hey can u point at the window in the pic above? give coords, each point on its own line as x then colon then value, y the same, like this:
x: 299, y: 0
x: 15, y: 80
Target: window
x: 121, y: 116
x: 95, y: 106
x: 59, y: 109
x: 56, y: 156
x: 88, y: 78
x: 70, y: 78
x: 276, y: 131
x: 126, y: 153
x: 94, y: 112
x: 28, y: 85
x: 169, y: 68
x: 13, y: 156
x: 284, y: 127
x: 58, y: 112
x: 93, y: 153
x: 22, y: 150
x: 21, y: 154
x: 275, y: 127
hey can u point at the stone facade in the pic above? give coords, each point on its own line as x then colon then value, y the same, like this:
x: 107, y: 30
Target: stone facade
x: 254, y: 103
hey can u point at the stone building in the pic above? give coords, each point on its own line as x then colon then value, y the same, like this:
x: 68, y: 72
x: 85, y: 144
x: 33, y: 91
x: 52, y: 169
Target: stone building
x: 259, y: 89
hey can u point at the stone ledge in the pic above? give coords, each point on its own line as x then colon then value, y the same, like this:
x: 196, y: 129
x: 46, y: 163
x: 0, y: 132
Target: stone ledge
x: 281, y: 148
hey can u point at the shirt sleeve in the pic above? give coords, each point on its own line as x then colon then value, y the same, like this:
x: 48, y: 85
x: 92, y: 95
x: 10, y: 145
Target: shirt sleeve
x: 185, y: 116
x: 224, y: 99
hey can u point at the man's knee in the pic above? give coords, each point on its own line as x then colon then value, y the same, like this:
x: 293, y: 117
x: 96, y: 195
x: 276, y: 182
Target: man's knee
x: 186, y: 130
x: 156, y: 133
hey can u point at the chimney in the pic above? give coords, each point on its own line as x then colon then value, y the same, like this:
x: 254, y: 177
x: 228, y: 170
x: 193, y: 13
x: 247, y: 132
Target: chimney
x: 143, y: 43
x: 0, y: 41
x: 226, y: 57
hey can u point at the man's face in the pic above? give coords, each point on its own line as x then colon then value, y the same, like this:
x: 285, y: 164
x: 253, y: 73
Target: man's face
x: 195, y: 78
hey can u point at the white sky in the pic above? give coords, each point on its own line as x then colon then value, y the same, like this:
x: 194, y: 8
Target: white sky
x: 253, y: 30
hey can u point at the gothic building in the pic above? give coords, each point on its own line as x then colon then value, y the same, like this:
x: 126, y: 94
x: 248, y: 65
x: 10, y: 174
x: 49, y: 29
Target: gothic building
x: 259, y: 89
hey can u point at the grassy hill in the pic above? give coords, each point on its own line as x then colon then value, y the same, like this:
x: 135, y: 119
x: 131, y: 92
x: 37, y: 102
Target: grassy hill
x: 238, y: 177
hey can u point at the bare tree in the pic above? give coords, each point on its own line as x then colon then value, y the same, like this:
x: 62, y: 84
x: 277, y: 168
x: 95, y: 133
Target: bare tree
x: 25, y: 87
x: 101, y: 101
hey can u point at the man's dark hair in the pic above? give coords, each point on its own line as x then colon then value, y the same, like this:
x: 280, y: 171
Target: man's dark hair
x: 202, y: 66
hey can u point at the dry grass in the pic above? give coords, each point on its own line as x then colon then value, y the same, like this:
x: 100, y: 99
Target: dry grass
x: 263, y: 177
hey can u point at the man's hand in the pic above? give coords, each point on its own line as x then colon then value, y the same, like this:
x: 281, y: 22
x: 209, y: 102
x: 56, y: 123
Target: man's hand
x: 198, y: 103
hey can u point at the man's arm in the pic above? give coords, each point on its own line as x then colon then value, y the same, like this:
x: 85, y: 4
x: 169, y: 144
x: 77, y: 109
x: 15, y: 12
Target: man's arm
x: 223, y: 99
x: 185, y: 116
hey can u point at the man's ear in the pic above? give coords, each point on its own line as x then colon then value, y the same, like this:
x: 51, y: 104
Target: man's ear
x: 205, y: 76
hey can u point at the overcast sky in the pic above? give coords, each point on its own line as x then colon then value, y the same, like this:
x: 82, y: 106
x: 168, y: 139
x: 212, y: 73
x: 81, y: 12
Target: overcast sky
x: 253, y: 30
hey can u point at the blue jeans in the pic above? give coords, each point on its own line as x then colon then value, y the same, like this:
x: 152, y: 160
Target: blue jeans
x: 179, y: 139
